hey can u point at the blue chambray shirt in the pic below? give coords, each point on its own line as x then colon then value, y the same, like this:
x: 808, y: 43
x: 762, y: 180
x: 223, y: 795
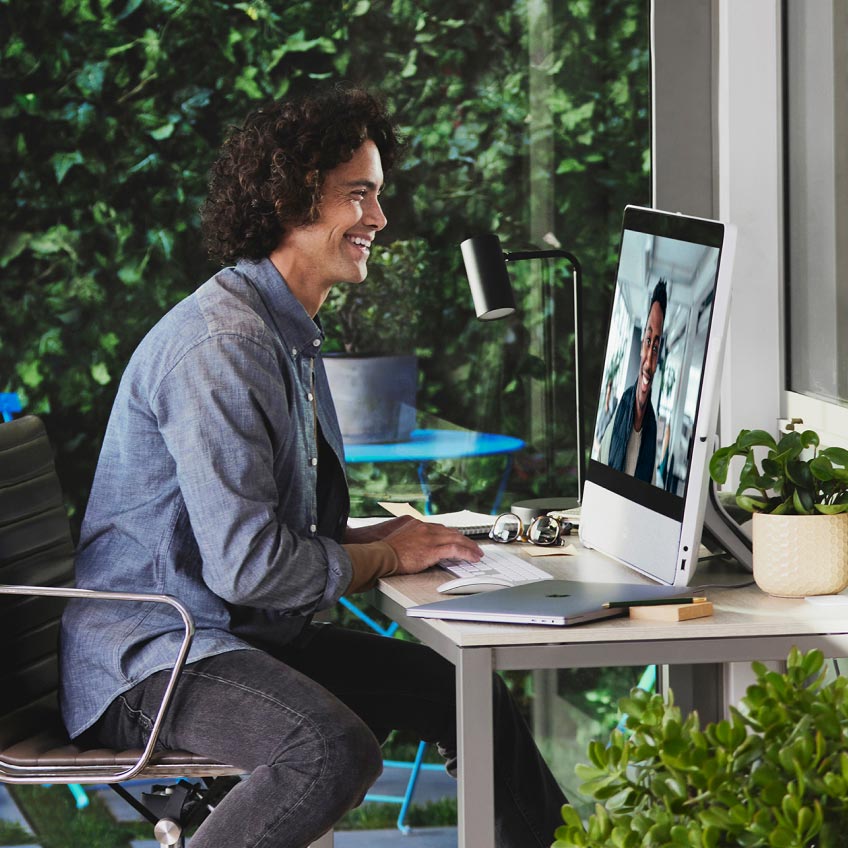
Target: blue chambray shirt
x: 207, y: 489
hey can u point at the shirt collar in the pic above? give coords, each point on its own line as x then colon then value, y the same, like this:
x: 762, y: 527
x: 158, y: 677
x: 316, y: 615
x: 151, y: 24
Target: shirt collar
x: 301, y: 334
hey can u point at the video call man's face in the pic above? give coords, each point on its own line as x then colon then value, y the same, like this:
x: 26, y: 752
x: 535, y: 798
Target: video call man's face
x: 650, y: 355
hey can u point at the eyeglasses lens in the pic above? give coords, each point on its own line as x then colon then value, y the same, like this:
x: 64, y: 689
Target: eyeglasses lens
x: 506, y: 528
x: 544, y: 531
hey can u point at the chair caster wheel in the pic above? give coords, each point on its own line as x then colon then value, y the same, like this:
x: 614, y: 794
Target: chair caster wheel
x: 167, y: 833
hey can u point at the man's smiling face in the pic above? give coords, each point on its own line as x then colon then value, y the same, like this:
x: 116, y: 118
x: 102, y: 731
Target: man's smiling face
x: 650, y: 355
x: 336, y: 247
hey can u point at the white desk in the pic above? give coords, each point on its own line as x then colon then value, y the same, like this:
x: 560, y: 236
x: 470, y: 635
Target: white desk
x: 747, y: 625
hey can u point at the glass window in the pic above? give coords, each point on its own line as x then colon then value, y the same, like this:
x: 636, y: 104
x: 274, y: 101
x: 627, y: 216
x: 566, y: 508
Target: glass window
x: 527, y: 118
x: 816, y: 213
x: 530, y: 120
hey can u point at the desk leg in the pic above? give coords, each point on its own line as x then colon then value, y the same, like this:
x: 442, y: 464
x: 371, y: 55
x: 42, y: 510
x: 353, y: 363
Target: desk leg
x: 502, y: 485
x: 697, y: 687
x: 425, y: 488
x: 476, y: 790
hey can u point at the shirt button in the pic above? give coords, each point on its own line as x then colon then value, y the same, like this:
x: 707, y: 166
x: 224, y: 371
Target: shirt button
x: 309, y: 396
x: 313, y: 461
x: 313, y: 528
x: 294, y: 351
x: 316, y: 342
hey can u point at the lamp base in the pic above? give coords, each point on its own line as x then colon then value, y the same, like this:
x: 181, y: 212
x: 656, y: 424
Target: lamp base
x: 528, y: 510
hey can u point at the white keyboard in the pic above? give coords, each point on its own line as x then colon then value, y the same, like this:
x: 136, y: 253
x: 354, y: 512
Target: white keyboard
x: 497, y: 561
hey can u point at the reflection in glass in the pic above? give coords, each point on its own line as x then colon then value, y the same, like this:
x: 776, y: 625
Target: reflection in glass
x: 817, y: 198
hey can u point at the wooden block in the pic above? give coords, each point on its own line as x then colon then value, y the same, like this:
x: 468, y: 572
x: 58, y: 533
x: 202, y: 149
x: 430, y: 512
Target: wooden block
x: 672, y: 612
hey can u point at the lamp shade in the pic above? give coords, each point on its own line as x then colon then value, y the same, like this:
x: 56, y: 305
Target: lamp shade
x: 485, y: 266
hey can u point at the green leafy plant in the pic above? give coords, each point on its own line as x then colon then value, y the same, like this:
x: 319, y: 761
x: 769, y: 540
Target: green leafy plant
x: 774, y: 774
x: 113, y: 111
x: 786, y: 483
x: 390, y: 311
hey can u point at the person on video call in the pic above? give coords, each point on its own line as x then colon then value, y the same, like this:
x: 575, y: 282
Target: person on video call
x: 221, y: 481
x: 630, y: 441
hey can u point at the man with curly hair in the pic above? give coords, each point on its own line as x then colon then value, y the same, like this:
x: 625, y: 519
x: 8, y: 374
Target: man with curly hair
x: 221, y: 481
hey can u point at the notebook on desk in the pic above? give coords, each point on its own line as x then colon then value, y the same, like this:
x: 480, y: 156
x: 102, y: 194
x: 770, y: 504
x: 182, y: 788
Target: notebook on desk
x: 465, y: 521
x: 553, y: 602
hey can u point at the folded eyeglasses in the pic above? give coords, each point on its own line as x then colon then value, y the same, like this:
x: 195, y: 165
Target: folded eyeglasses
x: 544, y: 530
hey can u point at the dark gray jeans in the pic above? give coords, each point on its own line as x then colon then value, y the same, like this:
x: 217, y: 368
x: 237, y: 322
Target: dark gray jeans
x: 307, y: 723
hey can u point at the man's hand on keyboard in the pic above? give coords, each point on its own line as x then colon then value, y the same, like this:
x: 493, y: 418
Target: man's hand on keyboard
x: 419, y: 545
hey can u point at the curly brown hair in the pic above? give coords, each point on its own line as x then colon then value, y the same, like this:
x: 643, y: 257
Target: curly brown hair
x: 270, y: 172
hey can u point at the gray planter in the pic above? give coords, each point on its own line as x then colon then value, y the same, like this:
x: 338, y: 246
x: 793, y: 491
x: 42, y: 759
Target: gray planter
x: 374, y: 396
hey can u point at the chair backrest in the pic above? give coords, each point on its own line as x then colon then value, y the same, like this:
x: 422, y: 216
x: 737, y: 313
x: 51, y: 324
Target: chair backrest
x: 36, y: 549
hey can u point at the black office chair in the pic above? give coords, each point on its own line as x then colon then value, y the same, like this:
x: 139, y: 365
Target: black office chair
x: 37, y: 573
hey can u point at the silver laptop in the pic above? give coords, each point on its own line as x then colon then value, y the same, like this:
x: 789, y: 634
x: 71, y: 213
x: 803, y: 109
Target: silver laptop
x: 556, y: 602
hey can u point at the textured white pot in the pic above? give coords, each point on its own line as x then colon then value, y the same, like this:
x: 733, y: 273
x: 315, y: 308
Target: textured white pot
x: 800, y: 555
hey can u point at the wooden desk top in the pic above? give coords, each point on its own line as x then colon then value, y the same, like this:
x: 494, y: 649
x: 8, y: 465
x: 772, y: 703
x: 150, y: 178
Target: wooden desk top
x: 744, y: 612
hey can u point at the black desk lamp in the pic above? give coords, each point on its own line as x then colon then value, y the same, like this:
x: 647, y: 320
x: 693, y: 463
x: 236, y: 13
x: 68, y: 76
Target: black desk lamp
x: 485, y: 265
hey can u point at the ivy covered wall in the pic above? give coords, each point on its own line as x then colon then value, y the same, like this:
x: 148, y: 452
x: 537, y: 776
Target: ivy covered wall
x: 524, y: 117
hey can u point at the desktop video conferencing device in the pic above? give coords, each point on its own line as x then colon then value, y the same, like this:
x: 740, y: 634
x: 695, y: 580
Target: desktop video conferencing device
x: 647, y: 483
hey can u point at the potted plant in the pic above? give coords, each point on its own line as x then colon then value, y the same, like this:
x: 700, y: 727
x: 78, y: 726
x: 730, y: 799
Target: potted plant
x: 774, y: 774
x: 798, y: 495
x: 375, y: 326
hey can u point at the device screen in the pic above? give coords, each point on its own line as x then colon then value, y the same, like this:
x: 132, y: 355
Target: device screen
x: 653, y: 368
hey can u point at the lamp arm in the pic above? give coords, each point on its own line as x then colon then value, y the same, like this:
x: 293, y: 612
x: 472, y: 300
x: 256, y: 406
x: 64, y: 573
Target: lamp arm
x: 577, y: 269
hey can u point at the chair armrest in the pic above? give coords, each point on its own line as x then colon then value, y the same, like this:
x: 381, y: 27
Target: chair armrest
x: 94, y: 594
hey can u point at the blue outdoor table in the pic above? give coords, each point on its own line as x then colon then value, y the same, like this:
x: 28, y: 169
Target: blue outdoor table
x: 425, y: 446
x: 9, y: 404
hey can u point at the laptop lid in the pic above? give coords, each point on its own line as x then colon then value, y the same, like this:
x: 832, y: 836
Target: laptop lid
x: 555, y: 602
x: 646, y: 484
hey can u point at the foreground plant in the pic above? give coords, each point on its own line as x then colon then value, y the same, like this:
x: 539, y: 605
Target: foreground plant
x: 775, y: 774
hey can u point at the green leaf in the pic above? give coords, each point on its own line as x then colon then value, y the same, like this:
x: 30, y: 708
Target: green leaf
x: 755, y: 438
x: 782, y: 837
x: 750, y: 475
x: 246, y: 82
x: 799, y: 473
x: 775, y: 469
x: 786, y: 507
x: 571, y: 817
x: 411, y: 67
x: 162, y: 132
x: 810, y: 439
x: 100, y: 374
x: 13, y: 247
x: 821, y: 468
x: 720, y: 462
x: 750, y: 504
x: 802, y: 500
x: 63, y: 162
x: 298, y: 43
x: 56, y: 239
x: 831, y: 509
x: 838, y: 456
x: 30, y: 374
x: 789, y: 447
x: 128, y: 9
x: 89, y: 79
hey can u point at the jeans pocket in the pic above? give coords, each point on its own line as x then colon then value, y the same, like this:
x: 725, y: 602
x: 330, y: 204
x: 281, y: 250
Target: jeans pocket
x: 125, y: 726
